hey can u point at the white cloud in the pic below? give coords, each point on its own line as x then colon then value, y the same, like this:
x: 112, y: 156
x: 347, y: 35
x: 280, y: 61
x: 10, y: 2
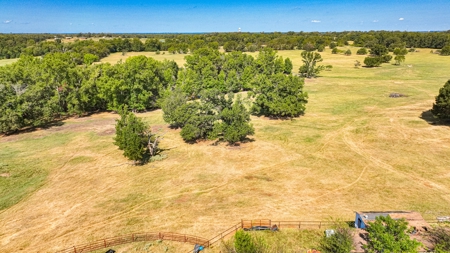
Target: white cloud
x: 375, y: 21
x: 7, y: 21
x: 401, y: 19
x: 315, y: 21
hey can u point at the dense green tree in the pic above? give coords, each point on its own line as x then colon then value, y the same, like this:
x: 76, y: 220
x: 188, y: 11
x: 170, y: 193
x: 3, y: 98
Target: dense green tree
x: 230, y: 46
x: 309, y: 68
x: 131, y: 135
x: 441, y: 107
x: 371, y: 61
x: 279, y: 96
x: 348, y: 52
x: 268, y: 62
x: 171, y: 107
x: 399, y: 55
x: 288, y: 66
x: 378, y: 50
x: 388, y: 235
x: 88, y: 59
x: 335, y: 50
x: 235, y: 123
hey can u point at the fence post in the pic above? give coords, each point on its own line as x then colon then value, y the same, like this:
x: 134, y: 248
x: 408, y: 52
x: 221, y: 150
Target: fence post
x: 299, y: 224
x: 320, y: 225
x: 242, y: 223
x: 104, y: 241
x: 74, y: 249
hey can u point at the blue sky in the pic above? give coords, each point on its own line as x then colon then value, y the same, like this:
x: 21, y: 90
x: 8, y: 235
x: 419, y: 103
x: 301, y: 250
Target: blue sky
x: 137, y: 16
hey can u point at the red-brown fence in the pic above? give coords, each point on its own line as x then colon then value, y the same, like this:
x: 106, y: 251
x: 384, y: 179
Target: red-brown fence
x: 244, y: 224
x: 137, y: 237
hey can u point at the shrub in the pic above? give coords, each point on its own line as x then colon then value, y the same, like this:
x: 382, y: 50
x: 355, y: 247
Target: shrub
x: 335, y: 50
x: 445, y: 50
x: 348, y: 52
x: 372, y: 61
x: 361, y: 51
x: 339, y: 242
x: 386, y: 58
x: 243, y: 243
x: 440, y: 237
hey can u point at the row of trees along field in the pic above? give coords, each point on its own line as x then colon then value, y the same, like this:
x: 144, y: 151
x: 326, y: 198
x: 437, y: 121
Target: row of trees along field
x: 14, y: 45
x: 37, y: 90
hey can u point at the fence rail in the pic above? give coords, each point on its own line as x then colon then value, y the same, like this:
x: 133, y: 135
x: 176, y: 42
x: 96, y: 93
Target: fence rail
x: 247, y: 224
x: 137, y: 237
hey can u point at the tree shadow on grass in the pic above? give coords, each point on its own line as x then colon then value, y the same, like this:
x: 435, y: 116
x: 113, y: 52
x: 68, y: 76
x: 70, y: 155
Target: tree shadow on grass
x: 430, y: 119
x: 56, y: 123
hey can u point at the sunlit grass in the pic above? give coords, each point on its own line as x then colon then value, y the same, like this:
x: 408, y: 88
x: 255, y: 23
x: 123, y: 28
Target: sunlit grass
x: 354, y: 149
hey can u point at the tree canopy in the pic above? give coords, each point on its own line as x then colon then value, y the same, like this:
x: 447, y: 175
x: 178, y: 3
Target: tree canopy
x: 309, y: 68
x: 388, y: 235
x: 441, y: 107
x: 279, y: 96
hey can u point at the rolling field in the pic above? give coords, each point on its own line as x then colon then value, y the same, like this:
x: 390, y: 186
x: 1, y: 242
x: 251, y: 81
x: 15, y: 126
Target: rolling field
x: 354, y: 149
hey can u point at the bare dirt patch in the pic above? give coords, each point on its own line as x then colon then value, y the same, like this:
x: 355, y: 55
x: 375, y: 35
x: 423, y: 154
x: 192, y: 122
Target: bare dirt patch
x: 5, y: 175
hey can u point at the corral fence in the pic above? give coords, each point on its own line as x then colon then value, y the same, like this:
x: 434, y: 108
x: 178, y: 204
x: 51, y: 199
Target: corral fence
x: 137, y: 237
x: 141, y: 237
x: 244, y: 224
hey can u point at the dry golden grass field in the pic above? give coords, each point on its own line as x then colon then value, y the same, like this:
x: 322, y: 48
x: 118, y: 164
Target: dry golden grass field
x: 354, y: 149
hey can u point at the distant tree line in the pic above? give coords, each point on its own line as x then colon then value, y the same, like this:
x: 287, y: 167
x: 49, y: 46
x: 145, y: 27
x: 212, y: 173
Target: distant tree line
x: 14, y: 45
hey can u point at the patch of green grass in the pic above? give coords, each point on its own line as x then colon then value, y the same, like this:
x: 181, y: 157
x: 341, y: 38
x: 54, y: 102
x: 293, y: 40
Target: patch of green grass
x: 80, y: 159
x: 286, y: 240
x: 26, y: 165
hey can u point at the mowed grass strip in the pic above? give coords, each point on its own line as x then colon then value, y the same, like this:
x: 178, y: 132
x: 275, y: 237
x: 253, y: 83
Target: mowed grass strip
x: 354, y: 149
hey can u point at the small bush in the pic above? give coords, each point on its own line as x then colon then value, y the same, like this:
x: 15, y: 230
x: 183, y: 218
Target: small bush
x: 361, y: 51
x: 335, y: 50
x: 445, y: 50
x: 348, y: 52
x: 340, y: 242
x: 372, y: 61
x: 386, y: 58
x: 243, y: 243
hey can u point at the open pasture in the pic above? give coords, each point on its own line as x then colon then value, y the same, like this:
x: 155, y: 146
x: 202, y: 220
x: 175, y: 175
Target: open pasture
x: 354, y: 149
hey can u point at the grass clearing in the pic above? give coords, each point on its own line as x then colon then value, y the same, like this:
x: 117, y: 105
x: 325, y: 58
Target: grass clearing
x: 164, y: 55
x: 4, y: 62
x: 354, y: 149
